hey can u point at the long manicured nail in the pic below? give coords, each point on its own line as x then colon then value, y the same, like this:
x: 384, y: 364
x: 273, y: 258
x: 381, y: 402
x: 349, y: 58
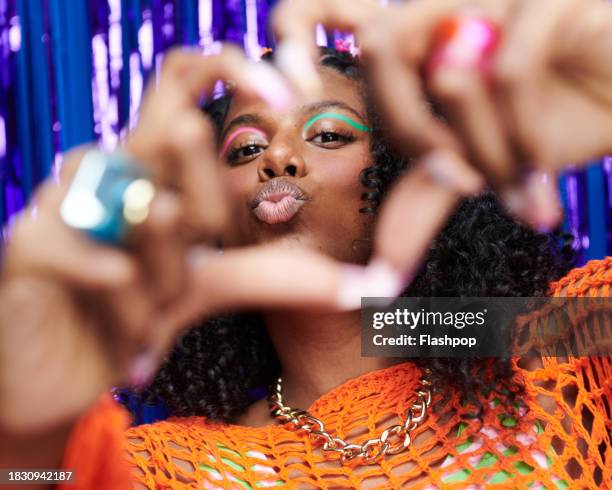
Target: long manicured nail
x: 294, y: 61
x: 270, y: 86
x: 448, y: 170
x: 385, y: 281
x: 141, y: 371
x: 544, y: 199
x: 535, y: 201
x: 352, y: 284
x: 515, y: 199
x: 199, y: 255
x: 377, y: 280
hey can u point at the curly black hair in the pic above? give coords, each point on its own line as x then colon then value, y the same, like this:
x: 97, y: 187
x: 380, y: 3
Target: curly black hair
x: 220, y: 367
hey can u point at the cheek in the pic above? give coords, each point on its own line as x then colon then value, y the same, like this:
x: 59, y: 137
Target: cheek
x: 338, y: 172
x: 238, y: 182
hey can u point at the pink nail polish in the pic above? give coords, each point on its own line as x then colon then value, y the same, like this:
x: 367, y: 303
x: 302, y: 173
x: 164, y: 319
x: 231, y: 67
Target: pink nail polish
x: 544, y: 200
x: 515, y: 200
x: 352, y: 286
x: 384, y: 280
x: 270, y: 86
x: 447, y: 170
x: 293, y: 60
x: 141, y: 371
x: 377, y: 280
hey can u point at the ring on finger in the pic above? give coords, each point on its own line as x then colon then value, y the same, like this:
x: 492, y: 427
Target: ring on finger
x: 110, y: 194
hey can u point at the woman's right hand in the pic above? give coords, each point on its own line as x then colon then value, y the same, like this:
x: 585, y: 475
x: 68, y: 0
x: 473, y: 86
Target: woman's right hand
x: 77, y: 317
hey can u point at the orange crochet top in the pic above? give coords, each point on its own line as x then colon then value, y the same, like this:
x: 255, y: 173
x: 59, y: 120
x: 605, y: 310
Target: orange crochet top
x: 558, y: 437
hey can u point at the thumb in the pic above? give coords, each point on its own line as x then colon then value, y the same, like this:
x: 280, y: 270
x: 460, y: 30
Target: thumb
x: 418, y: 206
x: 262, y: 277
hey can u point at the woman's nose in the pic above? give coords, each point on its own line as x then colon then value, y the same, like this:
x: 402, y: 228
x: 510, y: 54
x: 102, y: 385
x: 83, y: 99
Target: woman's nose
x: 279, y: 162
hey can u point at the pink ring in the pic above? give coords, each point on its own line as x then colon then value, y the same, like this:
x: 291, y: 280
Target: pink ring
x: 464, y: 41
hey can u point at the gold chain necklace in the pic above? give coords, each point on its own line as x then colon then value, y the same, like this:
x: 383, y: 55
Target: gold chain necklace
x: 371, y: 450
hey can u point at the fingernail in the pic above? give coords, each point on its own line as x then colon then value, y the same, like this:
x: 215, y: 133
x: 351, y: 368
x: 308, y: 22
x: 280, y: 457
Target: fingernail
x: 377, y: 280
x: 448, y: 170
x: 535, y: 202
x: 294, y: 61
x: 543, y: 197
x: 141, y: 371
x: 515, y: 200
x: 270, y: 86
x: 352, y: 285
x: 385, y: 281
x: 199, y: 255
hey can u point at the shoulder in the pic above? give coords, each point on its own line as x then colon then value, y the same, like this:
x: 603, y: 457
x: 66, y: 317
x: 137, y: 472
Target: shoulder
x: 569, y: 395
x: 564, y: 333
x: 166, y: 433
x: 573, y: 319
x: 170, y: 451
x: 592, y: 279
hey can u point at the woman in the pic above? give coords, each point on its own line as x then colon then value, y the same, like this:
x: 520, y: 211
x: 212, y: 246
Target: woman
x: 469, y: 443
x: 315, y: 154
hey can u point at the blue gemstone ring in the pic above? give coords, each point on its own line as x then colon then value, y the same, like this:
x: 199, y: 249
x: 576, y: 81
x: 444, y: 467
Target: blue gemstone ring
x: 109, y: 195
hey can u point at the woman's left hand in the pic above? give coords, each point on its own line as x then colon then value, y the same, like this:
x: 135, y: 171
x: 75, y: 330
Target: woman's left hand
x: 543, y: 103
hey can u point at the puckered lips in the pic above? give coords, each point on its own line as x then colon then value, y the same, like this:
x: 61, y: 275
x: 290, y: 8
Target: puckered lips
x: 278, y: 201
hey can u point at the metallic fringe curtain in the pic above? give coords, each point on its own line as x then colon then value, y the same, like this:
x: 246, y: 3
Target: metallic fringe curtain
x: 73, y: 70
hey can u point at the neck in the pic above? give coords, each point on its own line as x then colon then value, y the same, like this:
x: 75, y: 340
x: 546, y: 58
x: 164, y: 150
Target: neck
x: 318, y: 352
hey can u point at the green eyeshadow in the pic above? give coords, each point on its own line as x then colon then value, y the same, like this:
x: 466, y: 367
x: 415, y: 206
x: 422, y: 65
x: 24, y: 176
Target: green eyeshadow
x: 334, y: 115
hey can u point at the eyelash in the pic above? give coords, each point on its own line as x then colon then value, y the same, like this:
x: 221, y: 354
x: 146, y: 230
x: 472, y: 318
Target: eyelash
x: 342, y: 136
x: 233, y: 154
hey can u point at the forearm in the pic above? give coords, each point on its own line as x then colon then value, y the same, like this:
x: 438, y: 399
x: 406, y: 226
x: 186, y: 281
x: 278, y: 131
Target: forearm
x: 20, y: 450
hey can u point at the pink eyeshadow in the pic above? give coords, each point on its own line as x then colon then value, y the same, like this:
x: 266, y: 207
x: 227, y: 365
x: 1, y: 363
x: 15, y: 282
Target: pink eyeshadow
x: 238, y: 132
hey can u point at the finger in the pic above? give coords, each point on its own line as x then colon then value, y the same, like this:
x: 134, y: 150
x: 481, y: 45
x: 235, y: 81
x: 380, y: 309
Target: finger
x: 419, y: 206
x: 41, y: 243
x: 394, y: 69
x: 294, y: 23
x: 198, y: 74
x: 535, y: 201
x: 473, y: 114
x: 399, y: 91
x: 131, y: 310
x: 260, y: 277
x: 546, y: 211
x: 397, y: 48
x: 204, y: 202
x: 523, y: 59
x: 45, y: 246
x: 161, y: 249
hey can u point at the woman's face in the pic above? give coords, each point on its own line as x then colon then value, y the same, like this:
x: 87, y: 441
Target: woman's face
x: 294, y: 177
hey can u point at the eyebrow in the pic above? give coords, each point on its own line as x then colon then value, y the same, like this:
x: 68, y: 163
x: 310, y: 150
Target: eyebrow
x: 328, y: 104
x: 251, y: 119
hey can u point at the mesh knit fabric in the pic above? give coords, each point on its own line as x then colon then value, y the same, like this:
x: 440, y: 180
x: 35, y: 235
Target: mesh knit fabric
x: 558, y: 436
